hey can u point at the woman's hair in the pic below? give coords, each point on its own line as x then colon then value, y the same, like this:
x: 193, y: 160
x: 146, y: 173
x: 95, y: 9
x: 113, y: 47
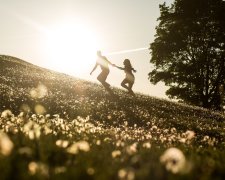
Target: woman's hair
x: 127, y: 63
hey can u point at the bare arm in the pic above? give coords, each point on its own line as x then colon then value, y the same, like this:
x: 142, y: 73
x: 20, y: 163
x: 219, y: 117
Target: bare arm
x: 94, y: 68
x: 121, y: 68
x: 108, y: 61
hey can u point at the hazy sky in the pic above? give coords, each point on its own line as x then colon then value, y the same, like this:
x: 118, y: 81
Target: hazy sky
x: 37, y: 31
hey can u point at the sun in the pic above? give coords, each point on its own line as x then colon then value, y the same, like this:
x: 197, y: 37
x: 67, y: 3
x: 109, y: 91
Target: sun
x: 71, y: 48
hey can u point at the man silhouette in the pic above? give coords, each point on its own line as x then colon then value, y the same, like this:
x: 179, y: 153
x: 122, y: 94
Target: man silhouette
x: 103, y: 62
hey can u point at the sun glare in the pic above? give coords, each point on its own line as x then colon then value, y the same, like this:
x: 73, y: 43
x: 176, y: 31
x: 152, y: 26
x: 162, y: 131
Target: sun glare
x: 71, y: 48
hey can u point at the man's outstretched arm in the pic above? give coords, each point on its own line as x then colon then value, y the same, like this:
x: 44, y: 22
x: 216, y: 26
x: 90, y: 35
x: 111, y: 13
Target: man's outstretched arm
x: 94, y: 68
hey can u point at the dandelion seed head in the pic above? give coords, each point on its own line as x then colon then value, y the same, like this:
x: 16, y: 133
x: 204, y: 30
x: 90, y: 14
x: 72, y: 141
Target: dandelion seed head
x: 206, y: 138
x: 182, y: 140
x: 98, y: 142
x: 173, y: 130
x: 38, y: 167
x: 39, y: 92
x: 83, y: 146
x: 47, y: 130
x: 32, y: 129
x: 127, y: 174
x: 60, y: 170
x: 174, y: 160
x: 39, y: 109
x: 56, y: 115
x: 132, y: 149
x: 147, y: 145
x: 6, y: 145
x: 91, y: 171
x: 33, y: 116
x: 190, y: 134
x: 120, y: 143
x: 47, y: 116
x: 78, y: 146
x: 154, y: 128
x: 33, y: 167
x: 122, y: 173
x: 62, y: 143
x: 7, y: 114
x: 25, y: 151
x: 116, y: 153
x: 25, y: 108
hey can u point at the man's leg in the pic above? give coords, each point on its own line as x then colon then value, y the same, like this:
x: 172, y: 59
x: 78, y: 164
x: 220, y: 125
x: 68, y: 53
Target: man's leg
x: 102, y: 78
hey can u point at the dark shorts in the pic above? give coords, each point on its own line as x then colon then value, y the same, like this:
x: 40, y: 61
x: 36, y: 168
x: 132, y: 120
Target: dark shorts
x: 103, y: 75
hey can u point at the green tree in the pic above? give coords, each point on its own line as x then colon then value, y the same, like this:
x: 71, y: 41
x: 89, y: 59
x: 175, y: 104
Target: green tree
x: 188, y: 52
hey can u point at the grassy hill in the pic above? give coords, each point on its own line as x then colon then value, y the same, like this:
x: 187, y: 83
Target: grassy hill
x: 55, y: 126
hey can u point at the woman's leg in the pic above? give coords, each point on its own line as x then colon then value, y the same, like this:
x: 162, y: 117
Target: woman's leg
x: 130, y: 85
x: 123, y: 84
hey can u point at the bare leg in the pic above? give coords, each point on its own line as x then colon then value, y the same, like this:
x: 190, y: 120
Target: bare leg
x: 105, y: 84
x: 123, y: 84
x: 130, y: 85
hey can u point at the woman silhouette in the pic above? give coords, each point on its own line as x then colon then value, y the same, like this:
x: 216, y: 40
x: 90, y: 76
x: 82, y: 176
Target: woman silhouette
x: 103, y: 62
x: 128, y: 81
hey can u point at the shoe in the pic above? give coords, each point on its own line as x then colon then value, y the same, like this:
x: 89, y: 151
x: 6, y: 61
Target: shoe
x: 107, y: 85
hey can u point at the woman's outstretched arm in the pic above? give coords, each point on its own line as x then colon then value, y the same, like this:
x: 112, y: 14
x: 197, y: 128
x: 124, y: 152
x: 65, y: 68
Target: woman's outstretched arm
x: 121, y: 68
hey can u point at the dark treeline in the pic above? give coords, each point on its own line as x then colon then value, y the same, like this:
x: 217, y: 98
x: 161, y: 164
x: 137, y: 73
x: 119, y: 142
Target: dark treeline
x: 188, y: 52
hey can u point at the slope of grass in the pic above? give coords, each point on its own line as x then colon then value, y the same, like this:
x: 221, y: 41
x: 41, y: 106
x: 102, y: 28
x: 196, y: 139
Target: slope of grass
x: 60, y: 127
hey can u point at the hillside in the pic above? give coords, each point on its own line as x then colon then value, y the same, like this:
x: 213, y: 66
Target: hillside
x: 125, y: 136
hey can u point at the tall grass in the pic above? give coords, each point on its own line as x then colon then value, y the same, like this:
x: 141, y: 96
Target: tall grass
x: 54, y: 126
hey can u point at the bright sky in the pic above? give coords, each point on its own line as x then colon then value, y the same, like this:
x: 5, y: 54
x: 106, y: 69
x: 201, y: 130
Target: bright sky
x: 64, y: 35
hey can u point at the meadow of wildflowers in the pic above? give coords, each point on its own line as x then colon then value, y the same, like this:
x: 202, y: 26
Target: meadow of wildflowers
x: 54, y: 126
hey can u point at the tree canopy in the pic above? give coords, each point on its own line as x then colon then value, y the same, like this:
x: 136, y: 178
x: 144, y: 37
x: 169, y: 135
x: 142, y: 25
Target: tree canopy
x: 188, y: 52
